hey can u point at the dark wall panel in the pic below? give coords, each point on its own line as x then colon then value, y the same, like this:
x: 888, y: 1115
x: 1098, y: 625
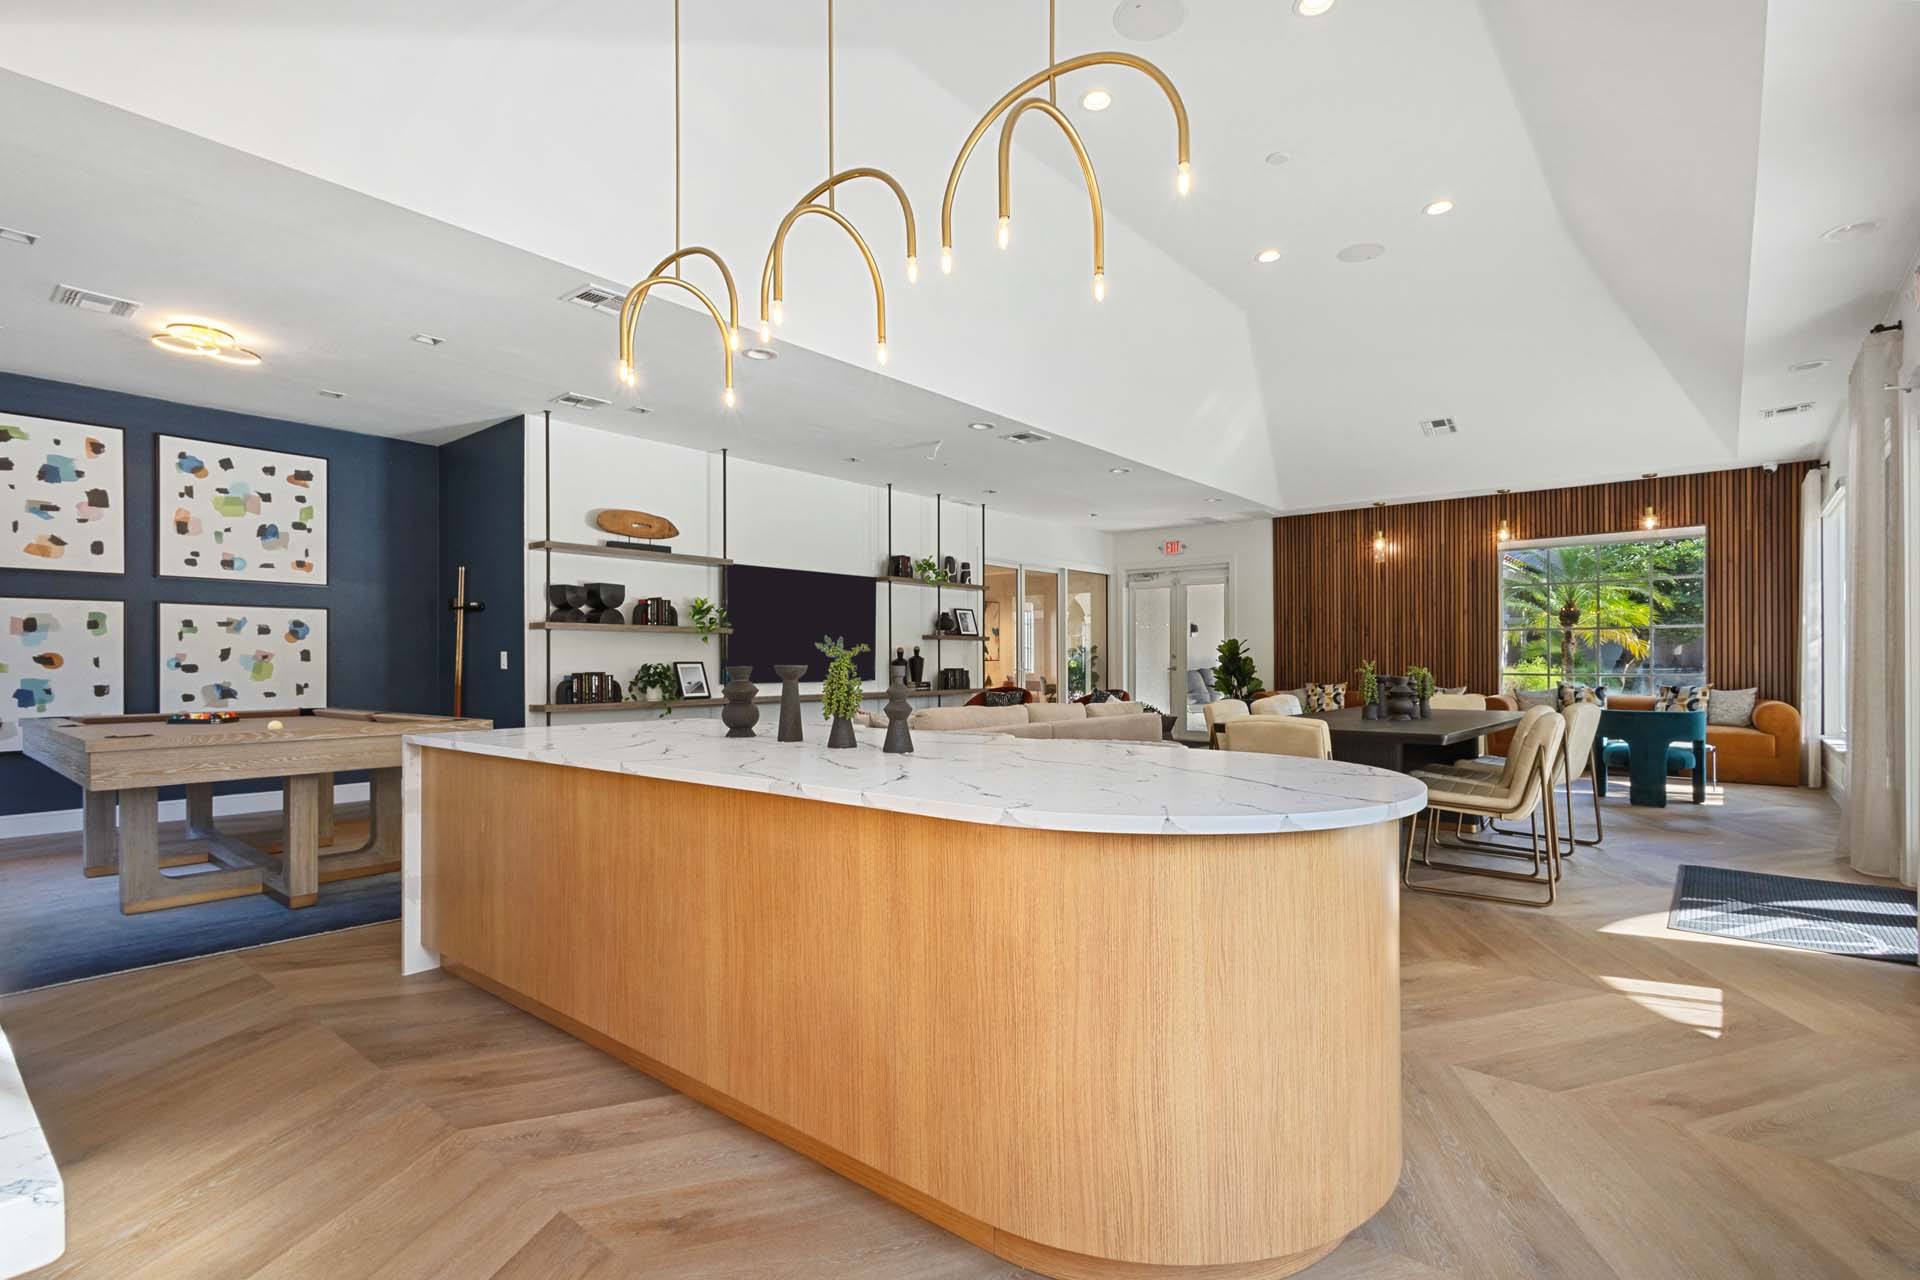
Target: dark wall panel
x: 383, y: 610
x: 1436, y: 599
x: 482, y: 486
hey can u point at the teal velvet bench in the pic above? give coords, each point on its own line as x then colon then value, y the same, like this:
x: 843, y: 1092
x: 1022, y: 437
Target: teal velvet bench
x: 1648, y: 736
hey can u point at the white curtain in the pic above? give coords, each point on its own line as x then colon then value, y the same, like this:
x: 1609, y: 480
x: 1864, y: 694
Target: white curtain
x: 1812, y: 674
x: 1873, y: 818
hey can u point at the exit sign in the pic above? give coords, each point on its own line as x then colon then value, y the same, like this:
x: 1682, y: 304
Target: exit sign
x: 1173, y: 547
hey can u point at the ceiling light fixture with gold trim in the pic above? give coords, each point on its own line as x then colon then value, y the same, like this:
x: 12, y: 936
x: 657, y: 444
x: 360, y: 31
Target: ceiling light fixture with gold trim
x: 1014, y: 103
x: 637, y: 296
x: 191, y: 338
x: 773, y: 276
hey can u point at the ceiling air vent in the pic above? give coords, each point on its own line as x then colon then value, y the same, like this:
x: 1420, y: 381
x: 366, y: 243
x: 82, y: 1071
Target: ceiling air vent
x: 1786, y: 410
x: 1439, y: 427
x: 575, y: 400
x: 87, y: 300
x: 598, y: 297
x: 1025, y: 437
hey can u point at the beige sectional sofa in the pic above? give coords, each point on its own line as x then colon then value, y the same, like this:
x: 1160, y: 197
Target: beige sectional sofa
x: 1121, y: 721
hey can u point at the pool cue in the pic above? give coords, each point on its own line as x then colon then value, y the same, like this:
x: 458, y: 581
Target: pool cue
x: 461, y: 607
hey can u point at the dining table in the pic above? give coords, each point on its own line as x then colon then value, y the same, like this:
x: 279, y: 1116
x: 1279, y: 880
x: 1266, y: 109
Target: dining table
x: 1439, y: 737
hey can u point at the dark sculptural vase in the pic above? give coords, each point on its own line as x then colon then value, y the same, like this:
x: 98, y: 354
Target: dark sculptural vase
x: 739, y: 714
x: 899, y: 741
x: 1398, y: 699
x: 790, y: 702
x: 841, y: 734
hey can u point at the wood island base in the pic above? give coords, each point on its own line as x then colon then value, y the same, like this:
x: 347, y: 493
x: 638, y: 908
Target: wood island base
x: 1098, y: 1056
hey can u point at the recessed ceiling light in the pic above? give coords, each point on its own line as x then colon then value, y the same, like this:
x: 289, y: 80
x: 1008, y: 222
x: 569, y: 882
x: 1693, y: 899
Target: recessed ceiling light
x: 853, y: 459
x: 989, y: 491
x: 1119, y: 471
x: 1093, y: 515
x: 331, y: 395
x: 1267, y: 255
x: 1278, y: 158
x: 427, y: 340
x: 1311, y: 8
x: 760, y: 353
x: 1852, y: 230
x: 1437, y: 208
x: 1096, y: 100
x: 1363, y: 252
x: 1216, y: 499
x: 11, y: 236
x: 1808, y: 366
x: 981, y: 426
x: 638, y: 408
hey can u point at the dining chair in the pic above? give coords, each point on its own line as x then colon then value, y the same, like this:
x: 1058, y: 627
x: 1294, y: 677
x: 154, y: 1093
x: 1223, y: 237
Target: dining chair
x: 1217, y: 713
x: 1579, y: 756
x: 1280, y: 736
x: 1523, y: 789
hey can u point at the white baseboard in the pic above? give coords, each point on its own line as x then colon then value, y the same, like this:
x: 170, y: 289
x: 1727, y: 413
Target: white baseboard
x: 55, y: 822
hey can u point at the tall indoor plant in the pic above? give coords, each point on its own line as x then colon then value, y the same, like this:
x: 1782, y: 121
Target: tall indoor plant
x: 1234, y: 675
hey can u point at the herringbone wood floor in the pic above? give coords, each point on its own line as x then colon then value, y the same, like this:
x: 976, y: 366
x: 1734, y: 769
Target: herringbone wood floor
x: 1587, y: 1095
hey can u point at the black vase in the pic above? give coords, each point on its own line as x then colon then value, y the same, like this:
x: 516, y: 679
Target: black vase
x: 790, y: 702
x: 1426, y: 708
x: 917, y: 668
x: 841, y: 735
x: 739, y: 714
x: 899, y: 742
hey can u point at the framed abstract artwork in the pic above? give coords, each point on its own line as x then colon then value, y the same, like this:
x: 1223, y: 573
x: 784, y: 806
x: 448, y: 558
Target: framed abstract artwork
x: 60, y: 658
x: 217, y: 657
x: 241, y: 515
x: 62, y: 496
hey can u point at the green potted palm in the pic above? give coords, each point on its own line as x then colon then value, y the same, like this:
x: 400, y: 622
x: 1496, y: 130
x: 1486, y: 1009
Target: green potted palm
x: 1234, y: 675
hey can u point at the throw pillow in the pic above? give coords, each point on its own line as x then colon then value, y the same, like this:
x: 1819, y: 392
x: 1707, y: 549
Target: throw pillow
x: 1568, y: 694
x: 1529, y: 698
x: 1682, y: 697
x: 1099, y: 695
x: 1452, y: 692
x: 1004, y: 698
x: 1200, y: 688
x: 1731, y: 706
x: 1325, y: 697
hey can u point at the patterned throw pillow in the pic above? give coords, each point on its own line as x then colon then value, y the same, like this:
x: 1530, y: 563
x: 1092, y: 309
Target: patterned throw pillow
x: 1682, y: 697
x: 1568, y: 694
x: 1098, y: 695
x: 1325, y: 697
x: 1004, y: 698
x: 1731, y: 706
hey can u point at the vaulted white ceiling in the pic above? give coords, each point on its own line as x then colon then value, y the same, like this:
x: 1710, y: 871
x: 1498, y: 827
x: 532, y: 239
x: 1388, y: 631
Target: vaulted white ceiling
x: 1639, y: 188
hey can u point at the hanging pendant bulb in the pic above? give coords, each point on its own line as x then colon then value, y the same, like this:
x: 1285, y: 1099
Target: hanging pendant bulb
x: 1001, y: 234
x: 1379, y: 539
x: 913, y: 270
x: 880, y: 352
x: 733, y: 338
x: 1505, y: 532
x: 946, y: 260
x: 1099, y: 286
x: 778, y: 312
x: 1184, y: 182
x: 1648, y: 519
x: 727, y: 398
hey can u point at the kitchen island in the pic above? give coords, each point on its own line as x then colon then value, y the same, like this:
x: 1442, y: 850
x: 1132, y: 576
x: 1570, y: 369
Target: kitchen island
x: 1105, y: 1009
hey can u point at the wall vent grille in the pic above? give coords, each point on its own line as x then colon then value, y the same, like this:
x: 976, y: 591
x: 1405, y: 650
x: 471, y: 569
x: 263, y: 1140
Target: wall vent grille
x: 576, y: 400
x: 596, y: 297
x: 1786, y: 410
x: 1439, y: 427
x: 105, y: 304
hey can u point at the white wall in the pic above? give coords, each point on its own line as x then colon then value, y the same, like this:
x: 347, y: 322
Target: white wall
x: 1245, y: 547
x: 775, y: 516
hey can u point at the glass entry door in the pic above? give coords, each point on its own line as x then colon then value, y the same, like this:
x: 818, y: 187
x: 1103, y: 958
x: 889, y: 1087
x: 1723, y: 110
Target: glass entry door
x: 1178, y: 619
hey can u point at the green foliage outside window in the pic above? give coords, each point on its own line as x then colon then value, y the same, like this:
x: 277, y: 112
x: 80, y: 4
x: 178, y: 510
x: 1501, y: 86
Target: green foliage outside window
x: 1627, y: 615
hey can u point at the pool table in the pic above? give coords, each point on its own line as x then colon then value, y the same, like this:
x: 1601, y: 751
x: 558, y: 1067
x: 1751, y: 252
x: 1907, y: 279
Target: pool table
x: 121, y: 762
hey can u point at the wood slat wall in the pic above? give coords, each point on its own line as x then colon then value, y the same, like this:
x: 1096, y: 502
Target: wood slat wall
x: 1436, y: 600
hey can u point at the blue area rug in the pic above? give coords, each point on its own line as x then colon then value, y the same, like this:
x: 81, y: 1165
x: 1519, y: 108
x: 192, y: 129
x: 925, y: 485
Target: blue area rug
x: 1871, y: 921
x: 101, y: 941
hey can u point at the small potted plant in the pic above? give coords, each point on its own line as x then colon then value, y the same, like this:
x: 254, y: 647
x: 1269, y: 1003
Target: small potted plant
x: 1234, y: 675
x: 1166, y: 721
x: 927, y: 569
x: 654, y: 682
x: 707, y: 617
x: 1423, y: 687
x: 1369, y: 690
x: 840, y: 692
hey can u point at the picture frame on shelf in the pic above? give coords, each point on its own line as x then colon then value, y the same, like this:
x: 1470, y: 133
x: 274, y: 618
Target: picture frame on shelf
x: 693, y: 679
x: 966, y: 622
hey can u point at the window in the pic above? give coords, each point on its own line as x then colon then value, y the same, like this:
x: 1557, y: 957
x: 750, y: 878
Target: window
x: 1833, y: 618
x: 1086, y: 632
x: 1629, y: 614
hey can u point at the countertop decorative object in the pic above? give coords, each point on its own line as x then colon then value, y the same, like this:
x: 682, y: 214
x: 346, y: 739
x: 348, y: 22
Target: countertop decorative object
x: 740, y: 714
x: 636, y: 524
x: 790, y: 701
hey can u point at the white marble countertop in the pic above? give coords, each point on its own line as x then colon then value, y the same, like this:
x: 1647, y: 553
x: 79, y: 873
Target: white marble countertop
x: 1046, y: 784
x: 33, y: 1208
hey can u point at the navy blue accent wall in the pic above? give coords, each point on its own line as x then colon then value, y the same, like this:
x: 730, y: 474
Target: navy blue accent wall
x: 384, y: 609
x: 482, y: 483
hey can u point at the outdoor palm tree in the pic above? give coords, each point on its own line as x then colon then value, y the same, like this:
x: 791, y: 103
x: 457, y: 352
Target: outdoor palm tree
x: 1589, y: 599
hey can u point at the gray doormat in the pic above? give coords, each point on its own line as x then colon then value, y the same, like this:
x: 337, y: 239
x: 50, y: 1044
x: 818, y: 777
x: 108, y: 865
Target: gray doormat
x: 1872, y: 921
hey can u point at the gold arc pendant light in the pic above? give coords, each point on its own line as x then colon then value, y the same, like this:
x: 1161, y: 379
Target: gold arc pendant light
x: 773, y: 275
x: 729, y: 326
x: 1059, y: 117
x: 1015, y: 99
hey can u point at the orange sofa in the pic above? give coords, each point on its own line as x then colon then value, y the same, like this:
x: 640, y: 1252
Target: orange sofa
x: 1767, y: 752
